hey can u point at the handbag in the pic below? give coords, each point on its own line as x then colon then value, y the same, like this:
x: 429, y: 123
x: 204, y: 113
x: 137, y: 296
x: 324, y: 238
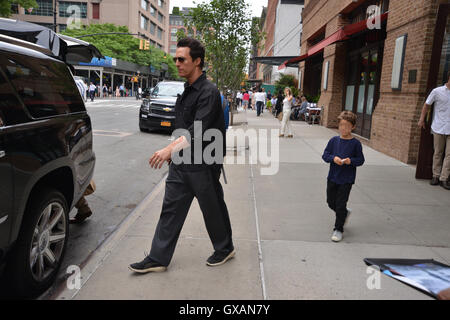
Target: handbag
x: 280, y: 116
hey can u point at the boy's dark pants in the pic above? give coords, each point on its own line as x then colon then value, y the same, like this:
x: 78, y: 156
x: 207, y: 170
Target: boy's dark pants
x: 337, y: 197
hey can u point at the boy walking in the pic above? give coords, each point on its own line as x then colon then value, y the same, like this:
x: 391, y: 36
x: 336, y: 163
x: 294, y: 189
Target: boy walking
x: 344, y: 154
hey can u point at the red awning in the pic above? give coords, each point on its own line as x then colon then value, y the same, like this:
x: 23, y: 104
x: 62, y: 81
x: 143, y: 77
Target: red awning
x: 342, y: 34
x: 293, y: 60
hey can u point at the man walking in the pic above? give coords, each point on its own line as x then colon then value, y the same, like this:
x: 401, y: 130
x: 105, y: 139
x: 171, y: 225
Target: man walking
x: 440, y: 128
x: 200, y: 102
x: 92, y: 89
x: 260, y: 98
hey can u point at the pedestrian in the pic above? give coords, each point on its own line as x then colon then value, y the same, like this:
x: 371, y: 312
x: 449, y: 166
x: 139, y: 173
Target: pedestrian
x: 110, y: 91
x: 343, y: 153
x: 440, y: 128
x: 287, y: 109
x: 238, y: 99
x: 245, y: 100
x: 117, y: 92
x: 139, y: 93
x: 121, y: 89
x: 92, y: 89
x: 279, y: 105
x: 82, y: 206
x: 200, y: 101
x: 303, y: 107
x: 105, y: 91
x: 250, y: 99
x: 269, y: 95
x: 260, y: 98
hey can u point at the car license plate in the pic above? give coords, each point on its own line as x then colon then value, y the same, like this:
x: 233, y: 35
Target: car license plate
x: 165, y: 124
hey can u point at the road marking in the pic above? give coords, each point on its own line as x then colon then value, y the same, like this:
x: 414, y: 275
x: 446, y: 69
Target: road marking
x: 107, y: 133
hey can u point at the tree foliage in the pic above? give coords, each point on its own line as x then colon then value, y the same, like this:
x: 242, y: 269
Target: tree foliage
x: 225, y: 28
x: 176, y: 11
x: 5, y: 6
x: 123, y: 47
x: 287, y: 80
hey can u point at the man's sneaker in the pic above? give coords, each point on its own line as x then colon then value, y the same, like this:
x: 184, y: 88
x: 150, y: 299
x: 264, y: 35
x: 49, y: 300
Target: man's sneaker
x: 147, y: 265
x: 349, y: 211
x: 219, y: 258
x: 434, y: 181
x: 337, y: 236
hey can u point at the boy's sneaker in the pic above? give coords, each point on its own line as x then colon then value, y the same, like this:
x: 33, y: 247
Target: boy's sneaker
x: 337, y: 236
x: 147, y: 265
x: 219, y: 258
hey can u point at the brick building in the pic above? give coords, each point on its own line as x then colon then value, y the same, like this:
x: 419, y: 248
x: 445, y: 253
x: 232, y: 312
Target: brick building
x: 379, y: 59
x: 176, y: 22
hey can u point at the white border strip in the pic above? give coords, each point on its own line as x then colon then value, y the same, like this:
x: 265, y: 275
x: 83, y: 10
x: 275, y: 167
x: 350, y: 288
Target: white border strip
x: 260, y: 257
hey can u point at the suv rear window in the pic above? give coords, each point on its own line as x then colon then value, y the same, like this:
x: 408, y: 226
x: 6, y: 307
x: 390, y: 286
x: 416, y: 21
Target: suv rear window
x: 46, y: 87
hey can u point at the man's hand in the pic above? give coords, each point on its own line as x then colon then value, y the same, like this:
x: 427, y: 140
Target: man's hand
x: 159, y: 157
x: 421, y: 123
x: 338, y: 161
x: 444, y: 294
x: 346, y: 161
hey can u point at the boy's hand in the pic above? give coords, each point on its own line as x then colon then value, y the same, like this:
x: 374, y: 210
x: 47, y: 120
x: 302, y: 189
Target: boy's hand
x: 346, y: 161
x: 338, y: 161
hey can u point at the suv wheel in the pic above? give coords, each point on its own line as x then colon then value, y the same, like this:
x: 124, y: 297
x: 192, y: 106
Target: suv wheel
x: 41, y: 245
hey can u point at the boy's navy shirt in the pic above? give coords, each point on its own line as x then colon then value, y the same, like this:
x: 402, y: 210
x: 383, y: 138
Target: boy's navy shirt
x: 343, y: 148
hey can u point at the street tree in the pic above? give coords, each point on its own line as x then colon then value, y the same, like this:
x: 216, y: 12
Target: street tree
x: 225, y: 29
x: 122, y: 46
x: 5, y: 6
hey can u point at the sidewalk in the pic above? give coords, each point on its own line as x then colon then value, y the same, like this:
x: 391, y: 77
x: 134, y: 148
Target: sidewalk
x: 281, y: 229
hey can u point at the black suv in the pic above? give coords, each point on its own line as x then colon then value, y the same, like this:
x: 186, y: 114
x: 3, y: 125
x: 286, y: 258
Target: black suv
x: 46, y: 162
x: 158, y: 110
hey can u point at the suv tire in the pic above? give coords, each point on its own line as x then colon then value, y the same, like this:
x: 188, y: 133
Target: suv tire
x: 43, y: 236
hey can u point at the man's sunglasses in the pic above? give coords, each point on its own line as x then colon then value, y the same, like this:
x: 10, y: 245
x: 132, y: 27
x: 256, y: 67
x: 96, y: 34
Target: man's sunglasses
x: 181, y: 59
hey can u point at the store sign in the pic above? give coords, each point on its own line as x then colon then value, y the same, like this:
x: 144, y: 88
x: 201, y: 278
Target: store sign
x: 107, y: 62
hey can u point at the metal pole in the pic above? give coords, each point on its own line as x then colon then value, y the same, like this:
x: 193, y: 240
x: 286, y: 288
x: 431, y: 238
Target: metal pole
x: 54, y: 16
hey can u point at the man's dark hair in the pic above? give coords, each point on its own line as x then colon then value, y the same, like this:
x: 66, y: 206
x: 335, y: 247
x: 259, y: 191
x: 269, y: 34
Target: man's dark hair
x: 197, y: 50
x: 260, y: 90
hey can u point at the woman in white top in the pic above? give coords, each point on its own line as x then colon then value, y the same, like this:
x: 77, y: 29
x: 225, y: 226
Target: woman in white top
x: 287, y: 109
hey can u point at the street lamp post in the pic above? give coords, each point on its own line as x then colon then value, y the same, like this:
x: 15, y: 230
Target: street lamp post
x: 54, y: 16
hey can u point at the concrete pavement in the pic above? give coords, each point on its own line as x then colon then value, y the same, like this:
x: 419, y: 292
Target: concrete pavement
x: 281, y: 230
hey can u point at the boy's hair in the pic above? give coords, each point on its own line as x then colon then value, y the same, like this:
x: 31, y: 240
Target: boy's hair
x: 348, y: 116
x: 197, y: 50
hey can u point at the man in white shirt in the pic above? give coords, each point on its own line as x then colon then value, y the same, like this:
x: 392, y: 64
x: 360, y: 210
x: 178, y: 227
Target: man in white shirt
x: 440, y: 127
x: 260, y: 98
x: 92, y: 89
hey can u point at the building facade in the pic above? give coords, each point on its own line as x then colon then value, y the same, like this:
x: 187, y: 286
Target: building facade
x: 147, y: 18
x: 379, y: 59
x: 176, y: 22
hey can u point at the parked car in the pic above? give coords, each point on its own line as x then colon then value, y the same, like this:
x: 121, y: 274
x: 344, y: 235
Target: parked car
x: 158, y: 110
x: 146, y: 92
x: 46, y: 162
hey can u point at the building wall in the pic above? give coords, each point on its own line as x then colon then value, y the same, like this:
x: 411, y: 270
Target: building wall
x: 394, y: 128
x: 119, y: 12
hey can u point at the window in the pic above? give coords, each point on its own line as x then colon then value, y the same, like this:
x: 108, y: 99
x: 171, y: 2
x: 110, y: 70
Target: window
x: 173, y: 31
x: 160, y: 33
x: 173, y: 38
x: 160, y: 46
x: 96, y: 11
x: 73, y: 9
x: 160, y: 17
x: 144, y: 4
x: 152, y: 28
x: 62, y: 27
x: 144, y: 23
x: 45, y: 86
x: 45, y: 8
x: 153, y: 11
x: 160, y: 3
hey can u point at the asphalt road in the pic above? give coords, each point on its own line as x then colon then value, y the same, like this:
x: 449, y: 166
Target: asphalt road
x: 122, y: 176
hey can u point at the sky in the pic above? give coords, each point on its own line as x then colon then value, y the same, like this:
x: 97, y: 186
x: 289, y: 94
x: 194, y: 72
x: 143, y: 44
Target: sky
x: 255, y: 5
